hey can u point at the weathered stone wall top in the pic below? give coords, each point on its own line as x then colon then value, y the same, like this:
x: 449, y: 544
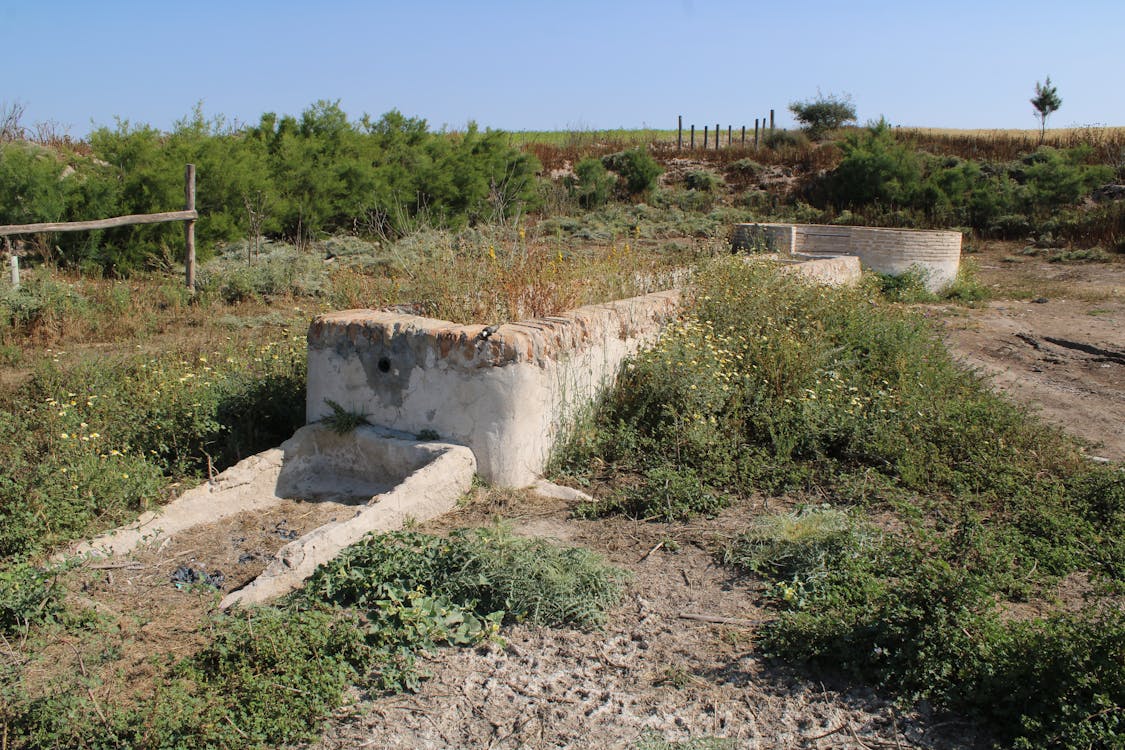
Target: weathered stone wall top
x: 471, y: 347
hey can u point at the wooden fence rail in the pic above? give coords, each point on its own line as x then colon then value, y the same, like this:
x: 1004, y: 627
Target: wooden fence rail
x: 81, y: 226
x: 188, y: 216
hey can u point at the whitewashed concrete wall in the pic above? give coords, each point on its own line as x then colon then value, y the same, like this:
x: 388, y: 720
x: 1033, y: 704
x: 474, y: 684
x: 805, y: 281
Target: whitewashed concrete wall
x: 893, y: 251
x: 507, y: 396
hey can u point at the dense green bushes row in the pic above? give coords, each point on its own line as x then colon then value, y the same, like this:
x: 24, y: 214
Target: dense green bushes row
x: 296, y: 177
x: 1007, y: 200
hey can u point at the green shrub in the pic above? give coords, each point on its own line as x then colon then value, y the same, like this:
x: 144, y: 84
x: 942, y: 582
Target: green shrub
x: 917, y: 621
x: 875, y: 169
x: 784, y: 139
x: 822, y: 115
x: 38, y: 303
x: 637, y: 168
x: 905, y: 287
x: 268, y: 677
x: 798, y: 550
x: 279, y: 271
x: 967, y: 288
x: 702, y: 180
x: 593, y: 185
x: 746, y: 166
x: 1054, y: 178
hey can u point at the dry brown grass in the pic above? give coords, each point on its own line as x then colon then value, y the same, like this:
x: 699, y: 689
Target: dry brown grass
x: 1107, y: 145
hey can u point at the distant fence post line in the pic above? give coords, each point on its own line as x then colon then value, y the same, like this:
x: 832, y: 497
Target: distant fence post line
x: 188, y: 215
x: 759, y: 133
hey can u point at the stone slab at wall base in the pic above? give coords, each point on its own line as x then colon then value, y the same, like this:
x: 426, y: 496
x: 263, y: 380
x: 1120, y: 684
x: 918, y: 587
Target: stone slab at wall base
x: 507, y: 392
x: 403, y: 477
x: 427, y: 492
x: 843, y: 270
x: 892, y: 251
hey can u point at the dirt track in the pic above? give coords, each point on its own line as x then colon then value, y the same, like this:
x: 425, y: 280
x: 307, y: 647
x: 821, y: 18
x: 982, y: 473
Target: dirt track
x: 1061, y: 352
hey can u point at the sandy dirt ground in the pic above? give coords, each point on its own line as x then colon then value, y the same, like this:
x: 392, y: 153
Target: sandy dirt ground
x: 677, y: 660
x: 1059, y: 349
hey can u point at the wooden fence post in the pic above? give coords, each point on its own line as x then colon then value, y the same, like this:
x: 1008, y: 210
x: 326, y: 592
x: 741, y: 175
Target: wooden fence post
x: 743, y: 135
x: 693, y: 138
x: 680, y: 133
x: 717, y: 136
x: 15, y: 262
x: 755, y: 132
x: 728, y: 134
x: 189, y: 227
x: 771, y: 120
x: 705, y: 137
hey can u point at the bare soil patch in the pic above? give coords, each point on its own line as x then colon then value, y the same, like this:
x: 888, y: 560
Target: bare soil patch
x: 677, y: 659
x: 1057, y: 346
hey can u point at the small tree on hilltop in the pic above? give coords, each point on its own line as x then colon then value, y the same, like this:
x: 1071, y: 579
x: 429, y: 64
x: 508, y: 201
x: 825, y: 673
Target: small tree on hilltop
x: 823, y: 114
x: 1045, y: 102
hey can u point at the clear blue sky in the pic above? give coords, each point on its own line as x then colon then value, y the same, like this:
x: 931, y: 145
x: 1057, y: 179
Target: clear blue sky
x: 580, y: 64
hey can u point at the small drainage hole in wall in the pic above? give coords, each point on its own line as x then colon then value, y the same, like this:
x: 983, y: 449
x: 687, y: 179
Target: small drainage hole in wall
x: 384, y: 364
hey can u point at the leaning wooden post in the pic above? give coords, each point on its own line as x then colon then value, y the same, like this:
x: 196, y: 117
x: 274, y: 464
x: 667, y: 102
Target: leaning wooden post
x: 14, y: 261
x: 189, y: 227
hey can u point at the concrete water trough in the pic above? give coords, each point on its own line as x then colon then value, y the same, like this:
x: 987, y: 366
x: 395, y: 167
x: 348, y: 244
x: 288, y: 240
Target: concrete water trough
x: 451, y: 401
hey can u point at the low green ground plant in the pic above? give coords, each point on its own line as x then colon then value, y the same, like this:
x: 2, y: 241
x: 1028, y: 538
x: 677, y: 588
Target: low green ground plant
x: 488, y: 570
x: 651, y: 740
x: 341, y: 420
